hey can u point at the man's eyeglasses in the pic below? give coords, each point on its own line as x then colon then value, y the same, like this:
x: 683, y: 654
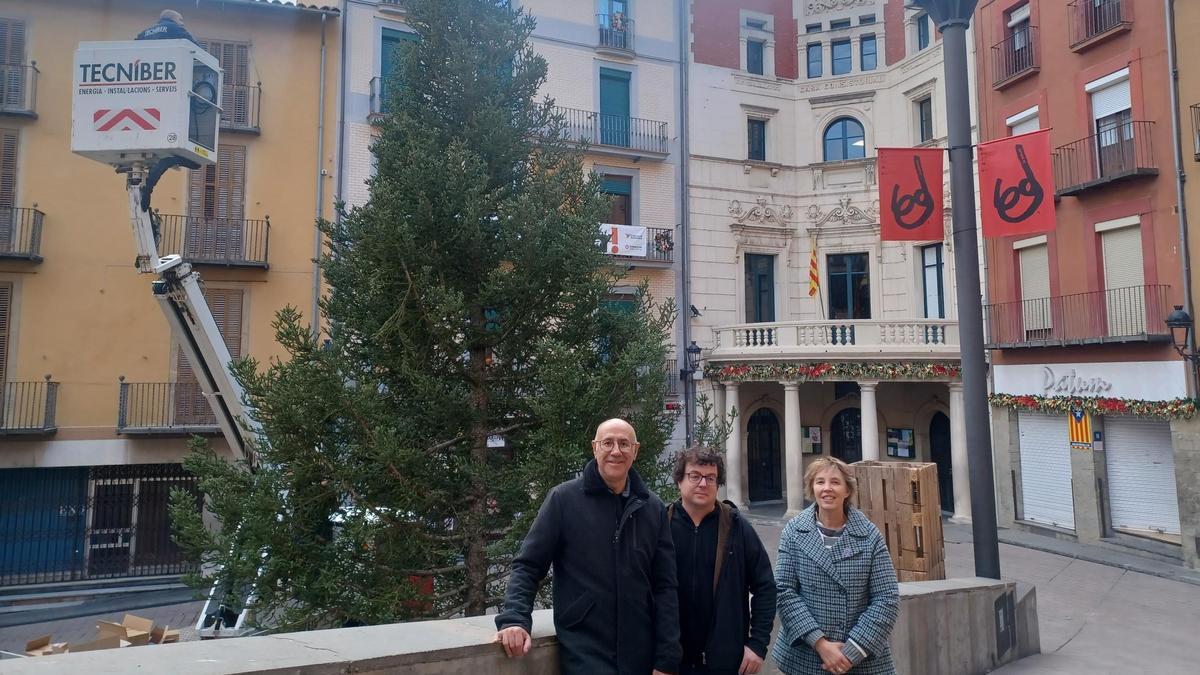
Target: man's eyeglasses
x: 609, y: 445
x: 695, y: 478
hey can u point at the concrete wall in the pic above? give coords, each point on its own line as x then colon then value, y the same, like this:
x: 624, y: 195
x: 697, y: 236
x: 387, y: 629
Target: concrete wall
x: 961, y: 613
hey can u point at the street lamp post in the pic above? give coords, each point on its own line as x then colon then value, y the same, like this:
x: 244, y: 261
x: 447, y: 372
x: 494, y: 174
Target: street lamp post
x: 1180, y: 323
x: 953, y: 18
x: 688, y: 375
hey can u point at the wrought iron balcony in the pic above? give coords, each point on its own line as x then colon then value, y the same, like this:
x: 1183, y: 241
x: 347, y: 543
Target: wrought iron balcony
x: 1133, y: 314
x: 1094, y: 20
x: 615, y: 32
x: 850, y: 338
x: 619, y: 134
x: 660, y: 249
x: 18, y: 89
x: 241, y: 105
x: 672, y: 376
x: 164, y: 408
x: 1118, y: 152
x: 28, y: 408
x: 216, y: 241
x: 21, y: 234
x: 1015, y: 57
x: 379, y: 102
x: 1196, y: 131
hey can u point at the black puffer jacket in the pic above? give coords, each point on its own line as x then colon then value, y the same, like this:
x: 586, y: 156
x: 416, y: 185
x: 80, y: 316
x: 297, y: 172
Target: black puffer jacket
x: 615, y: 602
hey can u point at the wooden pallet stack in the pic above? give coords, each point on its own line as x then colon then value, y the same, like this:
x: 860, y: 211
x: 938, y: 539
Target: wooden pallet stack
x: 901, y: 498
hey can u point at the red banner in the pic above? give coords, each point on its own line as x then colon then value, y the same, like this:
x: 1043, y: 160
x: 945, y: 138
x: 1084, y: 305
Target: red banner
x: 910, y: 194
x: 1016, y: 185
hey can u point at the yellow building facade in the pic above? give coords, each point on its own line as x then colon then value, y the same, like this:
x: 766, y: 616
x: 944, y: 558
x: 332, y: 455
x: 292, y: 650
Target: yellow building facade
x: 97, y: 401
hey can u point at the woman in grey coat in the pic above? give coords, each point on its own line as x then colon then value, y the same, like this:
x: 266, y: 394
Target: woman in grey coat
x: 838, y: 597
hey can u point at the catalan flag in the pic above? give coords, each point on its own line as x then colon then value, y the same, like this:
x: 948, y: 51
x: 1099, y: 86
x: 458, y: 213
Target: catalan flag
x: 814, y: 274
x: 1079, y: 425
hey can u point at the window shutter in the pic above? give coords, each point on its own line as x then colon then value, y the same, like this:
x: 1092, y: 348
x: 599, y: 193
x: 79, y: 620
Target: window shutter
x: 12, y: 51
x: 6, y: 290
x: 1027, y: 126
x: 1110, y: 100
x: 8, y: 168
x: 226, y: 307
x: 1124, y: 278
x: 234, y: 59
x: 1035, y: 287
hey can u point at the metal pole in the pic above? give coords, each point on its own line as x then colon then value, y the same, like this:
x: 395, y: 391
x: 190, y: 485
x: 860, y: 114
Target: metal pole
x: 1180, y: 194
x: 970, y: 310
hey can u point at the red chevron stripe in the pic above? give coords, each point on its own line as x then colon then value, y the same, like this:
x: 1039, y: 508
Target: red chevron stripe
x: 128, y: 114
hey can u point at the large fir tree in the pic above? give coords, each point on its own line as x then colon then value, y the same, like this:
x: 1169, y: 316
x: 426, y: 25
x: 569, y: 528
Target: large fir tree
x: 471, y: 354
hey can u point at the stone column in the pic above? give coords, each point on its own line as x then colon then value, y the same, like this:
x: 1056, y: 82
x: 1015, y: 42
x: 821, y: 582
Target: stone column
x: 718, y: 402
x: 733, y: 449
x: 959, y: 467
x: 793, y: 456
x: 870, y: 420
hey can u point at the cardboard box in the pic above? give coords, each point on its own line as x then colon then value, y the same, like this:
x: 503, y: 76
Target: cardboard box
x: 42, y: 646
x: 105, y: 642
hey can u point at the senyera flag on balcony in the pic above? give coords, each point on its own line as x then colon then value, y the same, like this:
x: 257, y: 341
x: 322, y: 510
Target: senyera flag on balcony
x: 910, y: 194
x: 1016, y: 185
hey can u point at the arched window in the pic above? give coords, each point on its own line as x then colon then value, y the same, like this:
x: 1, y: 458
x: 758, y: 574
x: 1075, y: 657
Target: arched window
x: 844, y: 140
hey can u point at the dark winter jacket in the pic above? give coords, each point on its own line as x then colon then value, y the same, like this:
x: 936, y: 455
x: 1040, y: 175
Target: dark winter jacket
x: 716, y: 627
x: 615, y: 602
x: 166, y: 29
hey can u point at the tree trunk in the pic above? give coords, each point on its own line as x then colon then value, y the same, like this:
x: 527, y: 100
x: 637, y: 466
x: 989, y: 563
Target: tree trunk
x: 475, y: 527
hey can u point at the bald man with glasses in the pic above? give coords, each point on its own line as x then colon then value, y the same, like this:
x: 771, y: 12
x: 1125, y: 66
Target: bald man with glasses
x: 607, y: 537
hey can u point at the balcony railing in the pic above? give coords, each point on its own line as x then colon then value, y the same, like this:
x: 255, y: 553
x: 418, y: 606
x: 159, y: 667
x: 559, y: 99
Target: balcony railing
x: 379, y: 102
x: 1094, y: 19
x: 18, y: 89
x: 164, y: 408
x: 672, y: 375
x: 616, y: 32
x: 241, y: 105
x: 660, y: 247
x: 216, y: 241
x: 21, y: 234
x: 1196, y: 131
x: 1118, y: 152
x: 1133, y: 314
x: 1015, y: 56
x: 615, y: 131
x: 28, y: 407
x: 834, y: 339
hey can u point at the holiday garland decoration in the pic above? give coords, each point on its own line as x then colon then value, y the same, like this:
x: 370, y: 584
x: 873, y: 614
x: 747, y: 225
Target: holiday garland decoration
x: 1179, y: 408
x: 835, y: 370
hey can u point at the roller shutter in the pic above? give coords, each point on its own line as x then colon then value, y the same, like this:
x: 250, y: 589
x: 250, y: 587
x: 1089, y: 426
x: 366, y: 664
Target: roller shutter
x: 1141, y: 475
x: 1046, y: 470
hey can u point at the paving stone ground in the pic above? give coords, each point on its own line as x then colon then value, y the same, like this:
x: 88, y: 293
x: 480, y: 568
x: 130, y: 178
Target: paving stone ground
x: 83, y: 629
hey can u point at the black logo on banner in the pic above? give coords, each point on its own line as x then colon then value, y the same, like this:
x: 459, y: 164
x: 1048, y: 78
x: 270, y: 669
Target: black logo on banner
x: 904, y: 205
x: 1005, y: 201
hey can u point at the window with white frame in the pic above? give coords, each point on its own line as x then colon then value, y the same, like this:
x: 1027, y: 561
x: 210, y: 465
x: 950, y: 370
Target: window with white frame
x: 758, y: 43
x: 1023, y: 122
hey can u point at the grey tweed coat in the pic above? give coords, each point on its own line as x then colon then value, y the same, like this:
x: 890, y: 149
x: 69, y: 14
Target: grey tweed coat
x: 847, y: 592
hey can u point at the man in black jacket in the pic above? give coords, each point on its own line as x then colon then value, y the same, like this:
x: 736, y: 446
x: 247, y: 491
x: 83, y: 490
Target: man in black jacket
x: 169, y: 27
x: 726, y: 587
x: 615, y: 599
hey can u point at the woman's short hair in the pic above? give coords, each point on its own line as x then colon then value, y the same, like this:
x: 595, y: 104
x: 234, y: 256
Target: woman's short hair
x: 700, y: 456
x: 821, y: 464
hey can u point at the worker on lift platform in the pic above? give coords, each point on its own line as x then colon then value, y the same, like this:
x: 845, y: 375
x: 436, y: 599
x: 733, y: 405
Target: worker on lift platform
x: 169, y: 27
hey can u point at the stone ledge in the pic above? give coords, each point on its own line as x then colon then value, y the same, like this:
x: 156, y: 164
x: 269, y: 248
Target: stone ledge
x: 949, y: 627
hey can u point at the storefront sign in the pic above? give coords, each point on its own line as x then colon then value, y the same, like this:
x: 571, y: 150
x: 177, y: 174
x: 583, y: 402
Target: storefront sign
x: 1071, y: 383
x: 1145, y: 380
